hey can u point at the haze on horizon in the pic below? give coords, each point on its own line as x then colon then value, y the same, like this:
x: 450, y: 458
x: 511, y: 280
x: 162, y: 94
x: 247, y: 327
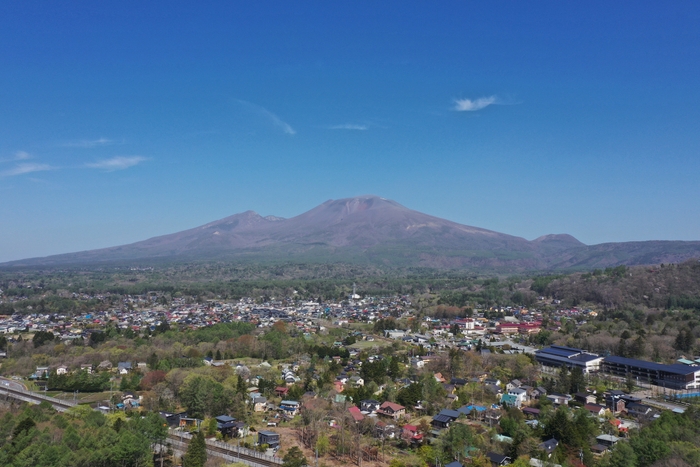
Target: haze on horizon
x: 120, y: 122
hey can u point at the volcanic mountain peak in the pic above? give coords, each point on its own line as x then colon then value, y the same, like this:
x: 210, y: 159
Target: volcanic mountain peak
x: 373, y: 230
x: 567, y: 239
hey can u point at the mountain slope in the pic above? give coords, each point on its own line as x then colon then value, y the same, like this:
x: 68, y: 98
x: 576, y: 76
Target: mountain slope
x: 373, y: 230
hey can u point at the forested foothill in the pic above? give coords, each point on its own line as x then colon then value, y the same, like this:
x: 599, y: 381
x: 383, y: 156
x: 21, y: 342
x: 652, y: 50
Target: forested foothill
x: 38, y: 436
x: 394, y: 375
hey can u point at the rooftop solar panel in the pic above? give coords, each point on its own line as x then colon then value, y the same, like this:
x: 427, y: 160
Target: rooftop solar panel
x: 559, y: 352
x: 676, y: 368
x: 563, y: 347
x: 585, y: 357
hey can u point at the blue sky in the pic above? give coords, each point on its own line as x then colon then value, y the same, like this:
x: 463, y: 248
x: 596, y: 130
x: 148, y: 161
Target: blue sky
x: 120, y: 121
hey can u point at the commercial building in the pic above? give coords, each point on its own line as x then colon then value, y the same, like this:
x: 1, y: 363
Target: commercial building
x: 557, y: 356
x: 676, y: 376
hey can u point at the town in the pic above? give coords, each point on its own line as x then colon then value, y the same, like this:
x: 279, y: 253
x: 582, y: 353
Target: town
x: 363, y: 380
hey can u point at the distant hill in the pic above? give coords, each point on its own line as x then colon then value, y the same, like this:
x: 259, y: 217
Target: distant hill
x: 377, y: 231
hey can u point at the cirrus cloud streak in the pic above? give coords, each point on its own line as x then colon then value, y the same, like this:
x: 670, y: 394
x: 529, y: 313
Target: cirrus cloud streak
x: 25, y: 168
x: 471, y: 105
x: 116, y: 163
x: 349, y: 126
x: 88, y: 143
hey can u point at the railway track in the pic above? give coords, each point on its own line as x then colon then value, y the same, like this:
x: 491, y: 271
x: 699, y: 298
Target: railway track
x: 227, y: 452
x: 178, y: 441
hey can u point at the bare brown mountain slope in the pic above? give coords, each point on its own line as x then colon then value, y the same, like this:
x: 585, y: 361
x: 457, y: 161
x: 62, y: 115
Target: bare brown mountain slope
x: 369, y: 229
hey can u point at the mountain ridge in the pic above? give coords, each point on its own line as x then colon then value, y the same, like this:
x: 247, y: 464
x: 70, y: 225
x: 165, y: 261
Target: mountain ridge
x: 373, y: 230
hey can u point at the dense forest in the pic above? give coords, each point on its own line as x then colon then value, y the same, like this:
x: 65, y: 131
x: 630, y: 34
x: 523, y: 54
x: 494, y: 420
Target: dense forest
x: 665, y: 286
x: 38, y: 436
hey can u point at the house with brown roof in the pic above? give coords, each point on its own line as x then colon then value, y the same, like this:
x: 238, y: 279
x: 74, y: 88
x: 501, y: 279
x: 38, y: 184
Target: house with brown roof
x: 389, y: 409
x: 595, y: 409
x: 356, y: 414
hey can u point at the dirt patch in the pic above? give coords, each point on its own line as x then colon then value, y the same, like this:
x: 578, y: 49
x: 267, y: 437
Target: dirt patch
x: 289, y: 438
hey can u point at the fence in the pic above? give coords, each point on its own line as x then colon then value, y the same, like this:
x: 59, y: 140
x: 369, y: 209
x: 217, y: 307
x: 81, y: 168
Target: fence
x: 234, y: 450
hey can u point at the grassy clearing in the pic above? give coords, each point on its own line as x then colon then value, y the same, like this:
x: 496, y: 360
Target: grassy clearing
x: 369, y: 344
x: 83, y: 398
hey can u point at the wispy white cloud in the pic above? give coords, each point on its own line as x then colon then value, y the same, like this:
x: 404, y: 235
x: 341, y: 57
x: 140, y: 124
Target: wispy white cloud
x: 349, y: 126
x: 88, y: 143
x: 18, y: 156
x: 271, y: 117
x: 25, y: 168
x: 116, y: 163
x: 470, y: 105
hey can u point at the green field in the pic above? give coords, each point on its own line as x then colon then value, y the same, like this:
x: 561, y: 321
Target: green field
x: 361, y: 345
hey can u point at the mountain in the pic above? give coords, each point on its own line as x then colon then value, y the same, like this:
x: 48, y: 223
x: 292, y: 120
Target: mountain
x: 372, y: 230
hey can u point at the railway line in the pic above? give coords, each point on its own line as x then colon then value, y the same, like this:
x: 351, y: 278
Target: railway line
x: 178, y: 441
x: 227, y: 452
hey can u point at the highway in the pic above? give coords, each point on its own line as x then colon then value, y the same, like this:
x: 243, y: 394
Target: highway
x: 7, y: 389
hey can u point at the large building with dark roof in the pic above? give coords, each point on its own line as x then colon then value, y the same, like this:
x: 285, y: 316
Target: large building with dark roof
x: 557, y: 356
x: 676, y: 376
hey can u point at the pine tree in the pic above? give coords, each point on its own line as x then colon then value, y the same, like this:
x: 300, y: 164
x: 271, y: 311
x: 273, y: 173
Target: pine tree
x: 241, y: 387
x: 196, y: 455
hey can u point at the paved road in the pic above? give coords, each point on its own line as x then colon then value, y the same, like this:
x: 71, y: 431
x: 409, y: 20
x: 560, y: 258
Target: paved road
x: 12, y: 384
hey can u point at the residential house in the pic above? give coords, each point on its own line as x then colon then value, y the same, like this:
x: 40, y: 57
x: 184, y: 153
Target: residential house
x: 356, y: 381
x: 585, y: 398
x: 595, y: 409
x: 498, y: 459
x: 123, y: 368
x: 492, y: 417
x: 513, y: 384
x: 519, y: 395
x: 549, y: 446
x: 225, y: 425
x: 417, y: 362
x: 270, y: 438
x: 538, y: 463
x: 62, y: 370
x: 493, y: 389
x: 172, y: 419
x: 259, y: 404
x: 459, y: 382
x: 394, y: 334
x: 389, y: 409
x: 369, y: 405
x: 510, y: 400
x: 356, y: 414
x: 441, y: 421
x: 599, y: 449
x: 559, y: 399
x: 607, y: 440
x: 635, y: 409
x: 290, y: 408
x: 86, y: 367
x: 614, y: 401
x: 444, y: 418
